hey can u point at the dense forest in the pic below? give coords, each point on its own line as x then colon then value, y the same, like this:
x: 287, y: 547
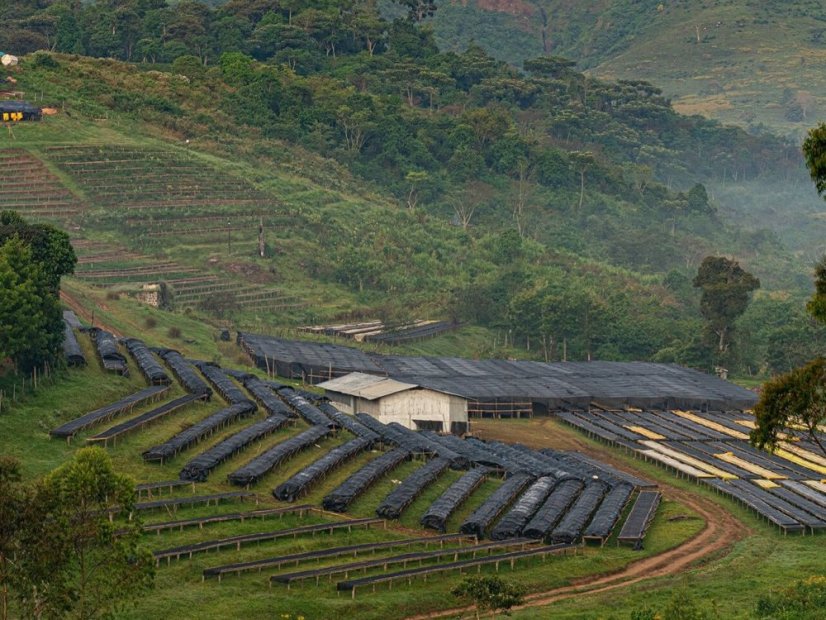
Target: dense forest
x: 559, y: 209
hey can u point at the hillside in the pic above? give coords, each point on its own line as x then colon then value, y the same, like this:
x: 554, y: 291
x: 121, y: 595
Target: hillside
x: 742, y: 62
x: 397, y: 181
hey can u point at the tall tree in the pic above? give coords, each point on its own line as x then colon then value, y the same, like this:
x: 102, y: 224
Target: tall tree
x: 72, y: 560
x: 12, y: 503
x: 726, y: 293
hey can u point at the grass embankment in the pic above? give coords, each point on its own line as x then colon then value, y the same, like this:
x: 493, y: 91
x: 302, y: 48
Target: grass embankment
x: 179, y: 590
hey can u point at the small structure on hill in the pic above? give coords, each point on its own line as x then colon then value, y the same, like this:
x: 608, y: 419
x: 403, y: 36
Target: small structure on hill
x: 15, y: 111
x: 388, y: 400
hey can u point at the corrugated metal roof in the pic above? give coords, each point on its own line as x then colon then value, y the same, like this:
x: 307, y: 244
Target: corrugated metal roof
x: 368, y: 387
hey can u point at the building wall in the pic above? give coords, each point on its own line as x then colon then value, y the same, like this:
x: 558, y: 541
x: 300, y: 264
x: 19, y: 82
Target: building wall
x: 410, y: 405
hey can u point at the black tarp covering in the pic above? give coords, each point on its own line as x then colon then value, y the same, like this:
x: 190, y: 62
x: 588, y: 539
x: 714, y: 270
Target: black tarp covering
x: 71, y: 347
x: 258, y: 467
x: 426, y: 444
x: 266, y: 397
x: 185, y: 373
x: 340, y: 498
x: 198, y: 431
x: 348, y: 422
x: 515, y: 520
x: 150, y: 367
x: 446, y: 504
x: 484, y: 516
x: 198, y: 468
x: 228, y: 390
x: 107, y: 348
x: 310, y: 413
x: 109, y: 411
x: 608, y: 512
x: 411, y: 487
x: 296, y: 486
x: 471, y: 452
x: 557, y: 504
x: 570, y: 527
x: 517, y: 460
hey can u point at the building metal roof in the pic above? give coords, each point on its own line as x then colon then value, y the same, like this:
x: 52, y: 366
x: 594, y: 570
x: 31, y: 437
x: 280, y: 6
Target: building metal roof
x: 368, y: 387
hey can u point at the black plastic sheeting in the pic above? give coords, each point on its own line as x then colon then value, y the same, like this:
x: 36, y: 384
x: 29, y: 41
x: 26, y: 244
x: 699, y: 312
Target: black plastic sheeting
x: 348, y: 422
x: 387, y: 435
x: 640, y: 517
x: 145, y: 418
x: 107, y: 348
x: 340, y: 498
x: 516, y: 459
x: 572, y: 524
x: 456, y: 494
x: 108, y: 411
x: 258, y: 467
x: 310, y: 413
x: 296, y: 486
x: 482, y: 518
x: 185, y: 373
x: 266, y: 397
x: 198, y: 431
x: 515, y: 520
x: 223, y: 384
x: 411, y: 487
x: 71, y: 348
x: 198, y: 468
x: 555, y: 385
x: 149, y: 366
x: 426, y: 444
x: 471, y: 452
x: 557, y: 504
x: 609, y: 511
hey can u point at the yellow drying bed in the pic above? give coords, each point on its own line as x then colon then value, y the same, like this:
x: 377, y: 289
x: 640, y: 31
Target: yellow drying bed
x: 678, y: 465
x: 766, y: 484
x: 804, y: 454
x: 641, y: 430
x: 690, y: 460
x: 800, y: 461
x: 710, y: 424
x: 729, y: 457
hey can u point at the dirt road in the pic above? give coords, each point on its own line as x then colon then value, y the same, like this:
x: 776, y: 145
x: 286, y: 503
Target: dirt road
x: 720, y: 533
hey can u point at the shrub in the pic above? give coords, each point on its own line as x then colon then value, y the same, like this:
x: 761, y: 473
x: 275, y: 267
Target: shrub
x: 174, y: 332
x: 150, y: 323
x: 112, y: 295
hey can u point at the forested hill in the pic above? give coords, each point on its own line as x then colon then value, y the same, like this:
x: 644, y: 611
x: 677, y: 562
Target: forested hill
x: 495, y: 191
x: 748, y: 62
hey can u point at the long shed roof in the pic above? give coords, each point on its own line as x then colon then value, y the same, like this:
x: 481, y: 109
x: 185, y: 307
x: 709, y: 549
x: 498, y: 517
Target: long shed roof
x: 368, y: 387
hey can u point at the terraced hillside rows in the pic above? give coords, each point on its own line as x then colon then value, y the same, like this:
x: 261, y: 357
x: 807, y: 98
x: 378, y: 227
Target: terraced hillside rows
x: 174, y: 201
x: 30, y: 188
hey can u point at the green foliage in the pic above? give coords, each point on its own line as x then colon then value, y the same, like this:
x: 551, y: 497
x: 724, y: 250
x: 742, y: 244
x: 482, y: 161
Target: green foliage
x: 490, y: 593
x: 817, y: 304
x: 794, y: 399
x: 814, y: 151
x: 72, y: 560
x: 805, y: 599
x: 726, y: 293
x: 12, y: 502
x: 31, y: 323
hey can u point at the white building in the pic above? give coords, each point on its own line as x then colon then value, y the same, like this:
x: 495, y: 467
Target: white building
x: 389, y: 400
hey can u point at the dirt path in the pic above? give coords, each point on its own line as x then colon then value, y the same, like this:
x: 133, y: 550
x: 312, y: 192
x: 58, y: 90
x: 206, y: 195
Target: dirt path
x: 720, y: 533
x: 84, y: 314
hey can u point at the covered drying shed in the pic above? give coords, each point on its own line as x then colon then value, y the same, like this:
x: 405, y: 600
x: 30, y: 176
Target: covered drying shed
x: 19, y: 111
x: 388, y: 400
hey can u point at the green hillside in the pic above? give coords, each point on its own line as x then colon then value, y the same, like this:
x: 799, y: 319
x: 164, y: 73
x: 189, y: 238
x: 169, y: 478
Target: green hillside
x: 394, y: 180
x: 742, y: 62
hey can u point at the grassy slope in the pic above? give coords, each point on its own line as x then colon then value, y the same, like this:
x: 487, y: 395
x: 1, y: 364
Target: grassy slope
x: 764, y: 559
x: 179, y: 590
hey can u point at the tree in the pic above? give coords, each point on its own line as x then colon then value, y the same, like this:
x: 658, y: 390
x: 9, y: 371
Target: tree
x: 814, y: 152
x: 12, y: 502
x: 31, y: 323
x: 491, y: 593
x: 817, y: 304
x: 581, y: 162
x: 726, y: 288
x: 797, y: 398
x: 72, y: 560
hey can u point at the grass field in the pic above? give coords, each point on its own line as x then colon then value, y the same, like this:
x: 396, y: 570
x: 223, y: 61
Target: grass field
x: 763, y: 559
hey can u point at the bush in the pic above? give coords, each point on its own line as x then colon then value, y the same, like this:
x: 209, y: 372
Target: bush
x: 174, y: 332
x: 112, y: 295
x: 150, y: 323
